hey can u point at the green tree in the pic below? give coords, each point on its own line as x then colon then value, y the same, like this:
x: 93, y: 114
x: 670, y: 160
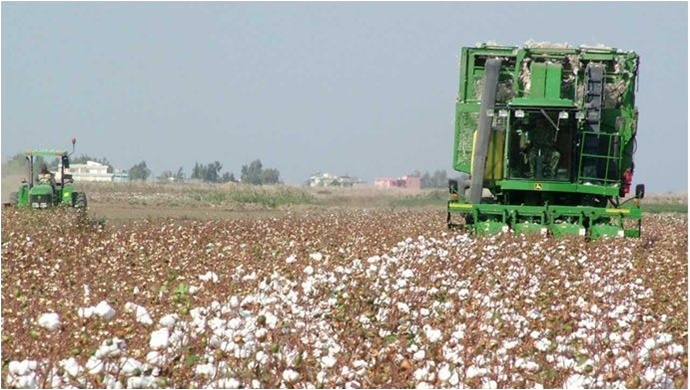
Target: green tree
x: 212, y: 173
x: 254, y: 173
x: 228, y: 177
x: 139, y: 172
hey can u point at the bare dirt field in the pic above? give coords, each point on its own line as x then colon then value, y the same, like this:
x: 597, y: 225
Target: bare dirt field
x: 195, y: 287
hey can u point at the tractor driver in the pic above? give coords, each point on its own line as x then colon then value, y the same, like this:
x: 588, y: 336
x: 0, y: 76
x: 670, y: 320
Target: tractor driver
x: 45, y: 176
x: 541, y: 142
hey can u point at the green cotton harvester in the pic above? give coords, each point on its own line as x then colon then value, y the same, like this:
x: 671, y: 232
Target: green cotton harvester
x: 545, y: 135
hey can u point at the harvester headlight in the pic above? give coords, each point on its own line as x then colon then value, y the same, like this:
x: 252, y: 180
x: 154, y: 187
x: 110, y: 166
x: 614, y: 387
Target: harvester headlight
x: 34, y: 205
x: 621, y: 233
x: 44, y: 205
x: 580, y: 115
x: 519, y: 114
x: 563, y: 115
x: 582, y: 231
x: 503, y: 113
x: 490, y: 113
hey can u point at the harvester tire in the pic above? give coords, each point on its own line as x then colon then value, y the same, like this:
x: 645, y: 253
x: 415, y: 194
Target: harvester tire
x: 80, y: 200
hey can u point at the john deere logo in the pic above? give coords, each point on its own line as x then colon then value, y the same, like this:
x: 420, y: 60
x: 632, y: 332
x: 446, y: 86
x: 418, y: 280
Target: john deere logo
x: 537, y: 186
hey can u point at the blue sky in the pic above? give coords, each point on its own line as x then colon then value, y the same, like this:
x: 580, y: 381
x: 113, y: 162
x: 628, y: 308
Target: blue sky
x: 361, y: 88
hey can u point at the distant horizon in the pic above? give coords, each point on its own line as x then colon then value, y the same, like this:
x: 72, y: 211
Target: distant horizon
x: 366, y: 89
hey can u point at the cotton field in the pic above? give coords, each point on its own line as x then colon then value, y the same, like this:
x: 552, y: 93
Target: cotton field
x: 349, y: 299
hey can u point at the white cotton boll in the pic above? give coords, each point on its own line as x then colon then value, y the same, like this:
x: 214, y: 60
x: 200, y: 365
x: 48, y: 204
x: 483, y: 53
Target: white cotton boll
x: 129, y: 366
x: 159, y: 339
x: 154, y: 358
x: 531, y: 366
x: 193, y: 289
x: 419, y: 355
x: 454, y: 379
x: 423, y: 385
x: 420, y: 373
x: 542, y: 344
x: 234, y: 301
x: 255, y: 384
x: 615, y: 337
x: 622, y: 363
x: 208, y: 370
x: 663, y: 338
x: 317, y: 256
x: 23, y: 367
x: 433, y: 335
x: 576, y: 381
x: 424, y: 312
x: 291, y: 259
x: 27, y: 381
x: 534, y: 334
x: 104, y: 311
x: 261, y: 357
x: 649, y: 374
x: 464, y: 293
x: 140, y: 382
x: 489, y: 384
x: 85, y: 312
x: 71, y: 366
x: 309, y: 270
x: 650, y: 344
x: 168, y: 320
x: 290, y: 376
x: 472, y: 372
x: 94, y: 365
x: 408, y: 273
x: 234, y: 323
x: 229, y: 383
x: 209, y: 276
x: 50, y: 321
x: 403, y: 307
x: 675, y: 349
x: 444, y: 372
x: 328, y: 361
x: 135, y: 291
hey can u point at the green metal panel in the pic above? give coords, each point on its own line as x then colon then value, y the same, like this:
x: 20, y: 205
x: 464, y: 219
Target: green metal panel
x: 535, y: 185
x: 606, y: 230
x: 538, y: 81
x: 553, y: 81
x: 490, y: 228
x: 532, y: 102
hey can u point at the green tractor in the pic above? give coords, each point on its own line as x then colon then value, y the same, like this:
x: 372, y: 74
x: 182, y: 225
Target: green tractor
x: 545, y: 136
x: 42, y: 192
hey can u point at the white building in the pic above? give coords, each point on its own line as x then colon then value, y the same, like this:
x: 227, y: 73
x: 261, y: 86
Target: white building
x: 91, y: 171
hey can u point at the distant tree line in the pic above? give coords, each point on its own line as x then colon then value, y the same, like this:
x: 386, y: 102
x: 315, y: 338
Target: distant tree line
x: 439, y: 179
x: 253, y: 173
x: 210, y: 173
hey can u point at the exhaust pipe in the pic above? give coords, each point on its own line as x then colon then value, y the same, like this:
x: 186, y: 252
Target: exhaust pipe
x: 481, y: 146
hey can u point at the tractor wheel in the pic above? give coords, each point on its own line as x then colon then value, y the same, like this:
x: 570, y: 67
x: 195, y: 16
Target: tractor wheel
x: 80, y: 200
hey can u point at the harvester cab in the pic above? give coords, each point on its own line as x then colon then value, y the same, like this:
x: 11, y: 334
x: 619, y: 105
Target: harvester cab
x: 45, y: 189
x: 549, y: 131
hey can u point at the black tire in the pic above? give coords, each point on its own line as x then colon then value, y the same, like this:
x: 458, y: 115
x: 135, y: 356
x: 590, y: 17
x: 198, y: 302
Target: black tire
x: 80, y: 200
x: 14, y: 198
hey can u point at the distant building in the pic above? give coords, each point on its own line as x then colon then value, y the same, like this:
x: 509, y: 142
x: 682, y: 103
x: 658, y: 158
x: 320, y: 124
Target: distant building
x: 409, y: 182
x: 328, y: 180
x: 93, y: 171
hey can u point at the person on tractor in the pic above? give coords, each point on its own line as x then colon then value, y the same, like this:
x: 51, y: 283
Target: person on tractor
x: 45, y: 176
